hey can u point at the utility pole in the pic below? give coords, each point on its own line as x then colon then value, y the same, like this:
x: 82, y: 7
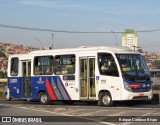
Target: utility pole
x: 115, y: 37
x: 52, y: 40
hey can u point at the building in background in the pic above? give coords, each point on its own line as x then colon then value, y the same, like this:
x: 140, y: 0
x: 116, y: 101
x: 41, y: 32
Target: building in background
x: 130, y: 39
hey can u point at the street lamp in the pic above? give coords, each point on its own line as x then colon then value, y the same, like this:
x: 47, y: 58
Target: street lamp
x: 115, y: 37
x: 39, y: 41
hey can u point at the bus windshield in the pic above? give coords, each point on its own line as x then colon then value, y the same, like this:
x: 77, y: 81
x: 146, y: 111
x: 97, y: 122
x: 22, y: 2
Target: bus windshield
x: 133, y: 67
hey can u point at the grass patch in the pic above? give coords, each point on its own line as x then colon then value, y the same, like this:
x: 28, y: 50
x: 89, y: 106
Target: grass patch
x: 1, y: 95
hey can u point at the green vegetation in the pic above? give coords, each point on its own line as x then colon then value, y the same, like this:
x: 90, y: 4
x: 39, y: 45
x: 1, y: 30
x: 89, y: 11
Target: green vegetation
x: 1, y: 90
x: 156, y: 63
x: 2, y: 54
x: 3, y: 75
x: 1, y: 95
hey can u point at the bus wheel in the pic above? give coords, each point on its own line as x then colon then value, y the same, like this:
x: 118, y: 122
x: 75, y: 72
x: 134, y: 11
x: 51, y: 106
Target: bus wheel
x: 44, y: 98
x: 105, y: 99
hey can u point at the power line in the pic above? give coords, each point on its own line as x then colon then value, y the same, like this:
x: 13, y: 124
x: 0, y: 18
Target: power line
x: 67, y: 31
x: 47, y: 30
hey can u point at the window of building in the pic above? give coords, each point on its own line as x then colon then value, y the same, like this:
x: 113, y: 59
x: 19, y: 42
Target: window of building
x: 14, y: 66
x: 107, y: 64
x: 43, y: 65
x: 65, y: 64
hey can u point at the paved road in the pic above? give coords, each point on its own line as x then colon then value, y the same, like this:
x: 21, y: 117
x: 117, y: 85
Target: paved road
x: 81, y: 112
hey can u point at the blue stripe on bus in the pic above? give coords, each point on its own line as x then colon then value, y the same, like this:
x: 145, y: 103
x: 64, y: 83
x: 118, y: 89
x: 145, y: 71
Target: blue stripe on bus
x: 56, y: 90
x: 65, y: 91
x: 59, y: 89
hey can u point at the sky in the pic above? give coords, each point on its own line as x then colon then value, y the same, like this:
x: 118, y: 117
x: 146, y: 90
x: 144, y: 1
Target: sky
x: 80, y: 15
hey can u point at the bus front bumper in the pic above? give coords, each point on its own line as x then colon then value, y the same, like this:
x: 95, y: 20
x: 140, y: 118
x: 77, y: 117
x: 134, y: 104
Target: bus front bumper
x: 137, y: 95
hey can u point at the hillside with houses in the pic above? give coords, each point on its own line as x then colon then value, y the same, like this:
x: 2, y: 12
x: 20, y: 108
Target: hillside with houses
x: 9, y: 48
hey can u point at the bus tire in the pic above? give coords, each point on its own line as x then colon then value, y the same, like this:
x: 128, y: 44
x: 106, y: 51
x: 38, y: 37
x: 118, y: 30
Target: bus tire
x: 7, y: 97
x: 43, y: 97
x: 105, y: 99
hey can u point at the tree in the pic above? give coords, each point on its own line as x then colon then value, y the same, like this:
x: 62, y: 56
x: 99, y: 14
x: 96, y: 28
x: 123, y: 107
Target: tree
x: 2, y: 54
x: 156, y: 63
x: 3, y: 75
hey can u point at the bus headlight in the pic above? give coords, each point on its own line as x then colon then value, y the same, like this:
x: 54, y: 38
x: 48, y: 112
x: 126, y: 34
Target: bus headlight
x: 127, y: 87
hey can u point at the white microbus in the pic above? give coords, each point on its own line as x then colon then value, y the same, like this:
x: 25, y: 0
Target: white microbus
x: 102, y: 74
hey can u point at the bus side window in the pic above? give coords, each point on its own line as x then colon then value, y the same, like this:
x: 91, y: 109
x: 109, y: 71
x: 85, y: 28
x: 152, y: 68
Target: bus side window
x: 107, y: 64
x: 14, y: 66
x: 43, y: 65
x: 48, y: 70
x: 65, y: 64
x: 38, y: 70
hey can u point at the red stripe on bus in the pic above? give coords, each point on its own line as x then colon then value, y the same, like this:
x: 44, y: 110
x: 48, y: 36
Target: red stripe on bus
x: 49, y: 89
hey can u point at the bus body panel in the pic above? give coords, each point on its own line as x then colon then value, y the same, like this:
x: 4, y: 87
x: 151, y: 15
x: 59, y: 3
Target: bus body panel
x: 111, y: 84
x: 54, y: 86
x: 14, y: 85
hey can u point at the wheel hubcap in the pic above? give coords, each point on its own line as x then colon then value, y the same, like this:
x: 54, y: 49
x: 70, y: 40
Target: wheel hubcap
x: 106, y: 100
x: 44, y: 98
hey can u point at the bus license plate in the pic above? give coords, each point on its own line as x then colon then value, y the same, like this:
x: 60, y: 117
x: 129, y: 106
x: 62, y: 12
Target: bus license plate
x: 141, y: 94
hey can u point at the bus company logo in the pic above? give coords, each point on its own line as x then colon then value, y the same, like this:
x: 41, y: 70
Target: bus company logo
x: 40, y: 81
x: 13, y: 80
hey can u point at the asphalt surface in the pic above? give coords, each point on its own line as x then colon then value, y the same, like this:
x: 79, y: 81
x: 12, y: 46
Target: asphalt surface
x: 79, y: 113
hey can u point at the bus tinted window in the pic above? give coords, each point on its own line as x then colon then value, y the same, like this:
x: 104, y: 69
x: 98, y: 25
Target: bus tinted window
x: 43, y: 65
x: 65, y: 64
x: 14, y: 66
x: 107, y: 65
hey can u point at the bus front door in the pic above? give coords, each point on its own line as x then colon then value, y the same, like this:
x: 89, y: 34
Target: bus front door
x: 87, y: 78
x: 26, y: 79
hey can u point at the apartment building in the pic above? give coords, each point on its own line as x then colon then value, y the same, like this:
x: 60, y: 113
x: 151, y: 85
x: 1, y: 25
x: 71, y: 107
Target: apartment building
x: 130, y: 39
